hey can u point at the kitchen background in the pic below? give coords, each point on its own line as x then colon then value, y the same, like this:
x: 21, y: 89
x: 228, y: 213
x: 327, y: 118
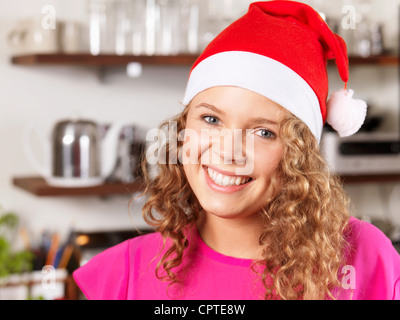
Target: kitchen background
x: 41, y: 95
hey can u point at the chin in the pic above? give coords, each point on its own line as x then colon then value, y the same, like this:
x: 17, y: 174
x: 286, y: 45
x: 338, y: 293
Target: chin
x: 226, y: 212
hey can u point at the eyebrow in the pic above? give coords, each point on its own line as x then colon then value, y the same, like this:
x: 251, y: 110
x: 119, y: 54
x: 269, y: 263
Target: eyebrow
x: 263, y: 120
x: 252, y: 120
x: 211, y: 107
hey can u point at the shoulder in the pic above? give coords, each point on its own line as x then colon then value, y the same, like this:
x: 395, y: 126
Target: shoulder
x: 374, y: 259
x: 369, y: 241
x: 144, y: 243
x: 105, y: 276
x: 362, y: 233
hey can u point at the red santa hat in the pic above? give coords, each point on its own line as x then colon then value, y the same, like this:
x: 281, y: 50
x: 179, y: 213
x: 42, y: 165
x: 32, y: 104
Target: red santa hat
x: 280, y: 49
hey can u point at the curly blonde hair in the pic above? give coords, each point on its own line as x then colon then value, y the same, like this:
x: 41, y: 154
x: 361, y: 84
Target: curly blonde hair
x: 304, y: 222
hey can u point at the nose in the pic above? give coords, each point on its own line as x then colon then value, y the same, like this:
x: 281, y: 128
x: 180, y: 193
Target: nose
x: 229, y: 146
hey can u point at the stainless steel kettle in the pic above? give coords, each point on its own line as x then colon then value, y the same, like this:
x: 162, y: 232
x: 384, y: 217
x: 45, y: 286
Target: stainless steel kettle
x: 76, y: 154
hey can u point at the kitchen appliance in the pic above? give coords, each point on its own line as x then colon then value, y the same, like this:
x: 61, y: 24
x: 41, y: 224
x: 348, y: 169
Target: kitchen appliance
x: 76, y: 154
x: 92, y: 243
x: 131, y: 150
x: 362, y: 153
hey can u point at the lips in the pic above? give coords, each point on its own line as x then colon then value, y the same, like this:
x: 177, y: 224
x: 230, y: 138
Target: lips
x: 226, y: 181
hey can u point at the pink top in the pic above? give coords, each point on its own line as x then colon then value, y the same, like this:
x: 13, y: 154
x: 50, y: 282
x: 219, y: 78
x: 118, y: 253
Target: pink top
x: 127, y: 271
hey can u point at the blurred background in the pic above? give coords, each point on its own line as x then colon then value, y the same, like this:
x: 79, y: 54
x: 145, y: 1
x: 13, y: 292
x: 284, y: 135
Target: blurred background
x: 104, y: 72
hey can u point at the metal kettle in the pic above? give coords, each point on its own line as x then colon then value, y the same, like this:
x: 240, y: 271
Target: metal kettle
x: 76, y: 153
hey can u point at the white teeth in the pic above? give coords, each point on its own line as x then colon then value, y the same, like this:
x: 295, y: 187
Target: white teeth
x: 225, y: 181
x: 219, y: 179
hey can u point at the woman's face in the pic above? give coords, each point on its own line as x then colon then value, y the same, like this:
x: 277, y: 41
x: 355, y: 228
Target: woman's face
x: 232, y: 150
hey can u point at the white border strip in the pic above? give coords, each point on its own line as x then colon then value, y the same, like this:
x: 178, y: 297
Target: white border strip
x: 262, y: 75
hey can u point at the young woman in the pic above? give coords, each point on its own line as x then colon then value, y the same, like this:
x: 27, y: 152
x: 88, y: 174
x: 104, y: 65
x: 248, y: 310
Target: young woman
x: 245, y: 206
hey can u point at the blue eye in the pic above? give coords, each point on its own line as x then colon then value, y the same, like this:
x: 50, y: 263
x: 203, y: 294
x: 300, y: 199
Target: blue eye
x: 266, y: 134
x: 211, y: 120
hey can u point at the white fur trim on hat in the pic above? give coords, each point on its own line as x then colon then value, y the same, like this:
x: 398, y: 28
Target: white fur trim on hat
x: 262, y: 75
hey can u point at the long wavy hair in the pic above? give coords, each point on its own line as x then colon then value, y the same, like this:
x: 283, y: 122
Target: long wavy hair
x: 304, y: 222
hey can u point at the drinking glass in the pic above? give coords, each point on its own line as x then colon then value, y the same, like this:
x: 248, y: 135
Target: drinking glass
x: 137, y: 12
x: 189, y: 26
x: 101, y: 26
x: 122, y: 18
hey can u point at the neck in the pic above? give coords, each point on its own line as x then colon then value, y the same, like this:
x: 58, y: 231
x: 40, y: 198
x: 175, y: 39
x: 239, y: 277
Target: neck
x: 237, y: 238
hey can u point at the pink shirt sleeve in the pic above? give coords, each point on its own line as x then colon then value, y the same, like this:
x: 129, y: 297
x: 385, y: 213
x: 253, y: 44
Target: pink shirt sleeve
x: 105, y: 276
x: 376, y: 263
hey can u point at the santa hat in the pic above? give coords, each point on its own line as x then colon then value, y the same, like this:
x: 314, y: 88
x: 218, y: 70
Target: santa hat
x: 280, y: 49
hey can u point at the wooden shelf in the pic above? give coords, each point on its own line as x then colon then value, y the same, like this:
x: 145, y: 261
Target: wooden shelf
x: 377, y: 60
x: 100, y: 60
x: 378, y: 178
x: 39, y: 187
x: 384, y: 60
x: 85, y: 59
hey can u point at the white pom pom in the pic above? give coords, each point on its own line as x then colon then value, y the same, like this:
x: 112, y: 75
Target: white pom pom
x: 345, y: 114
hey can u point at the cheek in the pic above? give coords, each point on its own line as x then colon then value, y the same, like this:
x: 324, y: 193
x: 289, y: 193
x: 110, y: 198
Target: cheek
x: 195, y: 146
x: 267, y: 161
x: 190, y: 148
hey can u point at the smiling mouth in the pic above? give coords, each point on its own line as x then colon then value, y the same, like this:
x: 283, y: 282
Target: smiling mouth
x: 226, y: 180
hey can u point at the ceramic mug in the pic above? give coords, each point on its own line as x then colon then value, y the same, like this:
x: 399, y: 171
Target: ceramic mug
x: 70, y: 36
x: 32, y: 36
